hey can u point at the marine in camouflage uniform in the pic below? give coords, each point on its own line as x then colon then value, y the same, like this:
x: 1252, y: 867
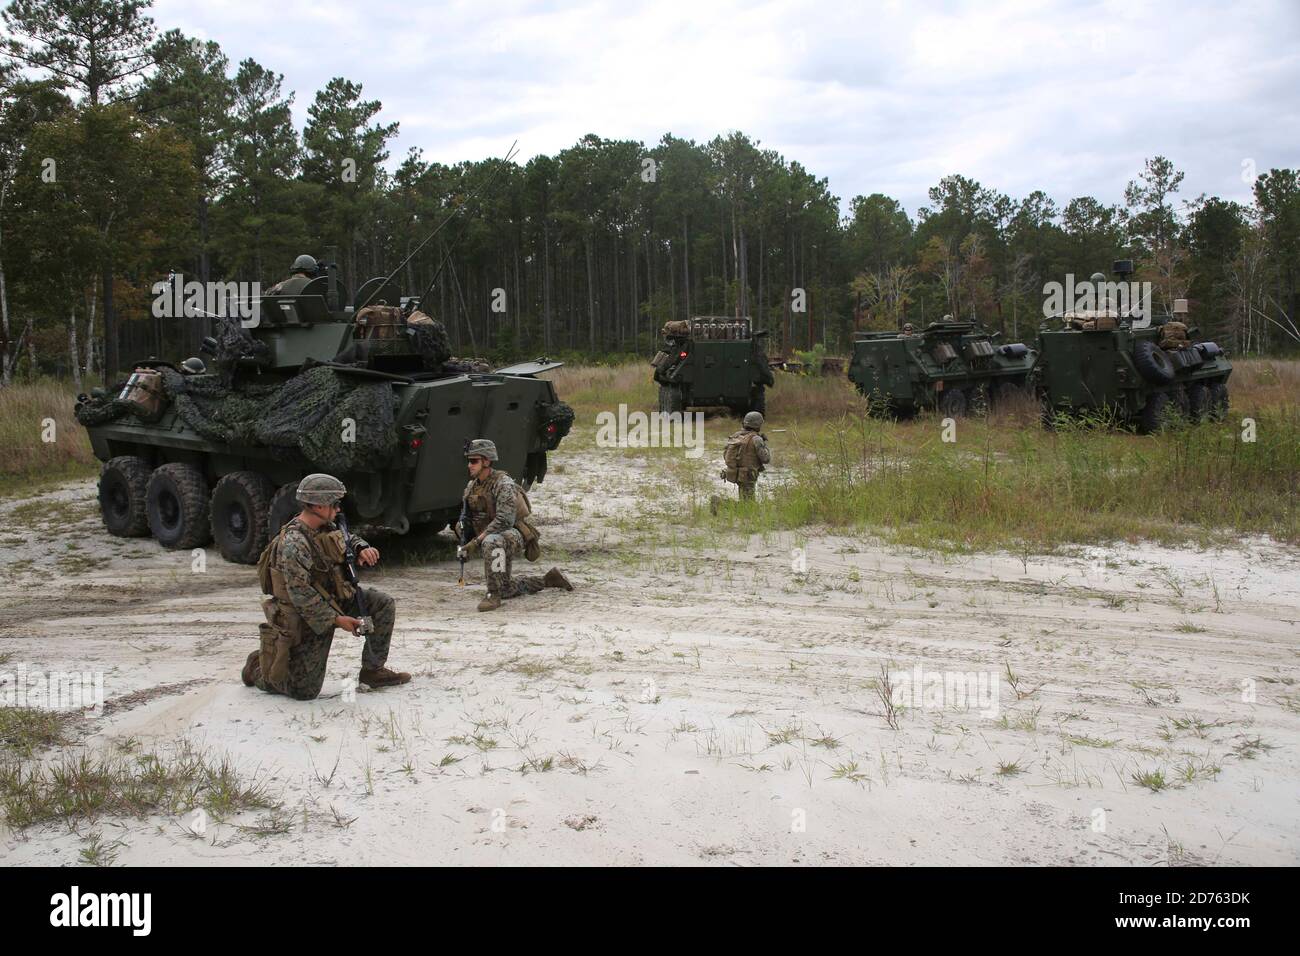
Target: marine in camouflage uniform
x: 310, y: 597
x: 302, y: 271
x: 753, y: 457
x: 490, y: 502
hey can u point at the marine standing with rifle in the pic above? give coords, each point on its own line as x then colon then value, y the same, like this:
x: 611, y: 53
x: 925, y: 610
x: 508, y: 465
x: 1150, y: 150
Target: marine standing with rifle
x: 308, y: 574
x: 491, y: 518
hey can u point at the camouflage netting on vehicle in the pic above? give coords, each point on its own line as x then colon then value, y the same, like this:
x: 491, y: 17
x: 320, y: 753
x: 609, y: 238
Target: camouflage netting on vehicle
x: 432, y: 343
x: 308, y: 414
x: 98, y: 411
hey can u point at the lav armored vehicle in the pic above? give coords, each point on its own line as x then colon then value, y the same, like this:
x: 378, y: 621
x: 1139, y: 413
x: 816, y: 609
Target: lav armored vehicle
x: 712, y: 360
x: 194, y: 453
x: 1116, y: 362
x: 955, y: 367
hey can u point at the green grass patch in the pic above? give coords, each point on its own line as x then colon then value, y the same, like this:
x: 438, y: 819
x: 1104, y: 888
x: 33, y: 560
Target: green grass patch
x: 85, y: 787
x: 1018, y: 488
x: 24, y: 730
x: 29, y: 414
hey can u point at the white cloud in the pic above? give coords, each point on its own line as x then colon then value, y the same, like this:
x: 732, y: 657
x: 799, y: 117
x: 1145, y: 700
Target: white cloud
x: 886, y: 97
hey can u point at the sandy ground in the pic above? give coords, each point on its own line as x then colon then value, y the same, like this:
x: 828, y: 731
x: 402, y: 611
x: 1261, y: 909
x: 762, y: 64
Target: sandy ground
x: 698, y: 705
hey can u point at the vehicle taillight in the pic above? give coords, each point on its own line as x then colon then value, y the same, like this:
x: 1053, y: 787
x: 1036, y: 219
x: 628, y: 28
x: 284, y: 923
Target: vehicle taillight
x: 683, y: 355
x: 551, y: 429
x: 416, y: 443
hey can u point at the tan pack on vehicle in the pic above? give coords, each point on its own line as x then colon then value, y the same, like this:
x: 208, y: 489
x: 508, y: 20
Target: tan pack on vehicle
x: 144, y: 390
x: 679, y: 328
x: 380, y: 322
x: 1173, y: 335
x: 741, y: 459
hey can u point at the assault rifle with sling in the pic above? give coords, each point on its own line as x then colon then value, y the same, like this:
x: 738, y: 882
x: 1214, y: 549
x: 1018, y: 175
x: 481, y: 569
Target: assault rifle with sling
x: 350, y: 572
x: 465, y: 536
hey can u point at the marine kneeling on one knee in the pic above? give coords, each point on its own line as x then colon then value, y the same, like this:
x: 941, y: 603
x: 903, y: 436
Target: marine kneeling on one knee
x: 308, y: 595
x: 496, y: 511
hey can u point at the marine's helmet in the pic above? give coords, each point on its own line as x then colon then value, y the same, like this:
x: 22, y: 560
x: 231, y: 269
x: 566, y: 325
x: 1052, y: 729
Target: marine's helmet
x: 320, y: 489
x: 481, y: 448
x: 907, y: 328
x: 753, y: 420
x: 304, y: 263
x: 193, y: 366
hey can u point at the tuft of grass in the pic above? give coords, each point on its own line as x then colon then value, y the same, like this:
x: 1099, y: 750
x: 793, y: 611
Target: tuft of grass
x: 1251, y: 747
x: 848, y: 770
x: 1153, y: 780
x: 85, y: 786
x: 95, y: 852
x: 1010, y: 769
x: 24, y: 730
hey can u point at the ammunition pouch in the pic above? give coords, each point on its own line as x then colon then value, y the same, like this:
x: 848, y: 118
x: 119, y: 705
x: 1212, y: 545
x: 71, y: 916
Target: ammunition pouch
x: 740, y: 475
x: 659, y: 359
x: 532, y: 540
x: 283, y: 631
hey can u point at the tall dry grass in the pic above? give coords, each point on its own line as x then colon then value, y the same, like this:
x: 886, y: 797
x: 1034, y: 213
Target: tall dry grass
x: 25, y: 411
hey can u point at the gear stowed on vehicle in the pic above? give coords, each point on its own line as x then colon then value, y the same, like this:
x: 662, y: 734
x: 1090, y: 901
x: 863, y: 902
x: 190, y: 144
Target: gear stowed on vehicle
x: 365, y: 390
x: 712, y: 360
x: 1129, y: 368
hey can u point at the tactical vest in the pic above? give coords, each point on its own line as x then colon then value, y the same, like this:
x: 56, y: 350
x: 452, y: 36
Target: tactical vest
x: 327, y: 549
x: 741, y: 458
x: 285, y: 628
x: 482, y: 501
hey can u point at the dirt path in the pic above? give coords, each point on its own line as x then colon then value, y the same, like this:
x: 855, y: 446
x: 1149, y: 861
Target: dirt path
x: 694, y: 705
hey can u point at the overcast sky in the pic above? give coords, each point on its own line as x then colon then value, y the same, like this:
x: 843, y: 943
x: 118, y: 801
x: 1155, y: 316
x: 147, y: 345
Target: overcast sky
x: 1067, y: 97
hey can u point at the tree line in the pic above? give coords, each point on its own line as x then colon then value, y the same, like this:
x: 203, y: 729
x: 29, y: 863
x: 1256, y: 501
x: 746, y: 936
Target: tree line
x: 127, y: 154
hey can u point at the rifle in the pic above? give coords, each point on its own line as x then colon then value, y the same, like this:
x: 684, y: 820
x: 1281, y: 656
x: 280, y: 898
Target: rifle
x: 463, y: 539
x: 350, y: 572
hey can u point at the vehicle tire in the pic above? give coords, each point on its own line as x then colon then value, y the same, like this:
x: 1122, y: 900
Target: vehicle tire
x: 1152, y: 362
x: 671, y: 399
x: 758, y: 400
x: 239, y: 514
x: 1154, y: 414
x: 284, y: 505
x: 1218, y: 406
x: 952, y: 403
x: 1198, y: 401
x: 123, y: 487
x: 177, y: 505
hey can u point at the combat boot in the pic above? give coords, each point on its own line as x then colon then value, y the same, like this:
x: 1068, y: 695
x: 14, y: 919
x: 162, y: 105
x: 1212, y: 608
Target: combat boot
x: 382, y: 677
x: 252, y: 669
x: 555, y: 579
x: 490, y: 603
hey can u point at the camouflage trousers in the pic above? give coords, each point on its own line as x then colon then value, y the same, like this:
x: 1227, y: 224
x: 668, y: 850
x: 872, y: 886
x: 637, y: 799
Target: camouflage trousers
x: 307, y: 661
x: 499, y: 550
x: 747, y: 490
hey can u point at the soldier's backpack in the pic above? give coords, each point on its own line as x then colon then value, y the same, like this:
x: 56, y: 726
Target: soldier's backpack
x: 741, y: 458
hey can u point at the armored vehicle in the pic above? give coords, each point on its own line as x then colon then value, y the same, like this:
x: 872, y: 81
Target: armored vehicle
x: 1117, y: 362
x: 952, y: 366
x: 712, y: 360
x: 367, y: 392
